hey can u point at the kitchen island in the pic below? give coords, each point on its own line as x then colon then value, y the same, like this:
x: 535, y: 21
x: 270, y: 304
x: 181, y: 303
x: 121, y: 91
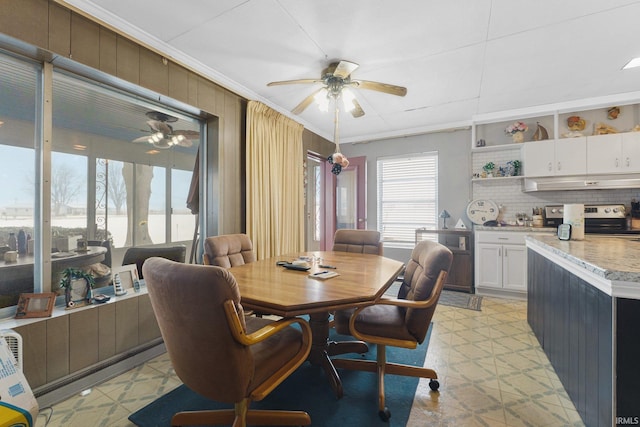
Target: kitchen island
x: 584, y: 308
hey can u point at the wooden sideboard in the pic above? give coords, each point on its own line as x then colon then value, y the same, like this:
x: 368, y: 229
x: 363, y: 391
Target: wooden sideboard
x: 460, y: 242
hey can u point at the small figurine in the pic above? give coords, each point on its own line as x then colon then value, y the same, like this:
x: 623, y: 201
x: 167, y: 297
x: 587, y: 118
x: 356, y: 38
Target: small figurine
x: 603, y: 129
x: 540, y: 133
x: 613, y: 112
x: 575, y: 123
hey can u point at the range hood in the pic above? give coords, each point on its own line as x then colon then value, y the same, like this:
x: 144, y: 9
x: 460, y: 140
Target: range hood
x: 581, y: 182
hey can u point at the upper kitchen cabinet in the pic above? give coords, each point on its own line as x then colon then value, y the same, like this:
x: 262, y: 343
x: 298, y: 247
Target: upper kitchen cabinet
x: 559, y: 157
x: 613, y: 153
x: 612, y: 145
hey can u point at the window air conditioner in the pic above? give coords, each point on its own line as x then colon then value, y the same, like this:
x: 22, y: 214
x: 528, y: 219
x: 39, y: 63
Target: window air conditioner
x: 14, y: 340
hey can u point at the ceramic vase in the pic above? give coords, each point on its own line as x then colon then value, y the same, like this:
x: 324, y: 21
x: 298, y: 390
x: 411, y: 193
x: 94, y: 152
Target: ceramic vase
x: 518, y: 137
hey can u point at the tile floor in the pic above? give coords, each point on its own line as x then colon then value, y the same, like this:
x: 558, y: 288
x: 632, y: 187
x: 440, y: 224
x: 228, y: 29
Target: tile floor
x: 492, y: 373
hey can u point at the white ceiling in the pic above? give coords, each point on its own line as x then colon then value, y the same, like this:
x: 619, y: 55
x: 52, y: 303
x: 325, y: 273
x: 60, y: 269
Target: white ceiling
x: 460, y: 60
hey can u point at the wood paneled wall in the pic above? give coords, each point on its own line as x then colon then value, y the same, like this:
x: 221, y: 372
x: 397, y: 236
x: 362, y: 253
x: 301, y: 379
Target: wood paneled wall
x: 59, y: 348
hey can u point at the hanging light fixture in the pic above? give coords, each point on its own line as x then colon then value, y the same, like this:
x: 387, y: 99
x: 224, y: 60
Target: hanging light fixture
x: 322, y: 99
x: 347, y: 100
x: 338, y: 159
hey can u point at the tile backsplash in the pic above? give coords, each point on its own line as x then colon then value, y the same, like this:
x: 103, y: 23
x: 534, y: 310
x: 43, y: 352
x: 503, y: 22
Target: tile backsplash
x: 508, y: 193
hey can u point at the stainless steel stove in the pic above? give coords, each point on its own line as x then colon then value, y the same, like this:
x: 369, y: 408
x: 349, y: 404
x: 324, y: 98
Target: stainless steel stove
x: 605, y: 219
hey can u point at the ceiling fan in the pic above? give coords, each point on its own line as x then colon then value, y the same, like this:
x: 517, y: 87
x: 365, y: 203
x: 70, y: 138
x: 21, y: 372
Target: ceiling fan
x: 335, y: 79
x: 163, y: 135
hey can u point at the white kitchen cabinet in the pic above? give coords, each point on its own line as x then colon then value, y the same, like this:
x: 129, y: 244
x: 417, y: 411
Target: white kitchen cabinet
x: 614, y: 153
x: 567, y: 156
x: 501, y: 263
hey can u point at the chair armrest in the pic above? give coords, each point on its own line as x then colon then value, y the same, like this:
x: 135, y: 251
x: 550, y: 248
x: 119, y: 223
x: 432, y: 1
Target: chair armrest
x: 263, y: 333
x: 435, y: 293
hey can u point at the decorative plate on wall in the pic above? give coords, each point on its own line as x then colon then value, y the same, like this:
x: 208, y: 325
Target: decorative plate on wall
x: 480, y: 211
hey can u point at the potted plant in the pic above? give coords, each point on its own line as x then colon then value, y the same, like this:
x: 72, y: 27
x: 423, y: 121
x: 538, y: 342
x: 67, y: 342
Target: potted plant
x: 488, y: 168
x: 76, y: 282
x: 516, y: 167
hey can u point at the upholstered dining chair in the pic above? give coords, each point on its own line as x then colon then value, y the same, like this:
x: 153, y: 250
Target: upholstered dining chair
x: 402, y: 321
x: 361, y: 241
x: 355, y: 240
x: 139, y: 254
x: 218, y: 352
x: 228, y: 250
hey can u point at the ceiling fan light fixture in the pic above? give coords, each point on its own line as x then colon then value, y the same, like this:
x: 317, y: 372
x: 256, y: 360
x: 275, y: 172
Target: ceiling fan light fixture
x: 322, y: 99
x: 347, y: 99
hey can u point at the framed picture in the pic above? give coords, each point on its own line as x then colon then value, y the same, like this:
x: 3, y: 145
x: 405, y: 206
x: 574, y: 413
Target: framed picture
x: 78, y: 293
x: 35, y: 305
x: 125, y: 278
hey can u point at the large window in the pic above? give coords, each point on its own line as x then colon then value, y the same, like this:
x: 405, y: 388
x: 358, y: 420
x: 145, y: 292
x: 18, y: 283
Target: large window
x: 116, y: 167
x: 407, y: 197
x: 18, y: 95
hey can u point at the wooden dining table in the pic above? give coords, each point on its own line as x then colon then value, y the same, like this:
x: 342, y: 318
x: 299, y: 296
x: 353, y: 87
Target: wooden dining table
x: 267, y: 287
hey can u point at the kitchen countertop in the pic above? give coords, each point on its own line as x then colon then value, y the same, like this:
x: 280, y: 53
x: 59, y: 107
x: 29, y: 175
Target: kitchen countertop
x: 613, y: 261
x: 515, y: 228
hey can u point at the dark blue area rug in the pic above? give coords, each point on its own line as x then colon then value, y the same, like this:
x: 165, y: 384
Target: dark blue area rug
x: 308, y: 389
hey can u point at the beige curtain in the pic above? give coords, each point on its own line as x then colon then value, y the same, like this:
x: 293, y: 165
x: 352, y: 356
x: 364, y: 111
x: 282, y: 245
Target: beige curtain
x: 275, y: 182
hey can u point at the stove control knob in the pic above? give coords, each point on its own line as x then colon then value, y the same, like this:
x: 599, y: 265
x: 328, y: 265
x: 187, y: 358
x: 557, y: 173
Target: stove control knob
x: 554, y: 210
x: 607, y: 210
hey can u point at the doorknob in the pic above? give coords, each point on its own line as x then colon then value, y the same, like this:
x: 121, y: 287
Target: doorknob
x: 361, y: 219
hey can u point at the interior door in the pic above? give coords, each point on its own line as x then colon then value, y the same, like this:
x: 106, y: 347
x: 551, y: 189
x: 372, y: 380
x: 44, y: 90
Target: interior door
x: 346, y: 197
x: 315, y: 206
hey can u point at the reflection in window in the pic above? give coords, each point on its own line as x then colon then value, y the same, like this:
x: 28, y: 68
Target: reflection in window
x: 156, y: 229
x: 133, y: 146
x: 18, y: 178
x: 182, y: 220
x: 68, y: 198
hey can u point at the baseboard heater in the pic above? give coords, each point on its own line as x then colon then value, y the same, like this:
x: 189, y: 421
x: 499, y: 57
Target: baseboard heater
x: 63, y: 388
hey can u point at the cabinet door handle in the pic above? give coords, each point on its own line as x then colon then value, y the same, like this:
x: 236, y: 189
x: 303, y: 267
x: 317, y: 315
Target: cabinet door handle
x: 550, y: 166
x: 506, y: 252
x: 503, y: 238
x: 559, y: 166
x: 628, y: 162
x: 617, y: 162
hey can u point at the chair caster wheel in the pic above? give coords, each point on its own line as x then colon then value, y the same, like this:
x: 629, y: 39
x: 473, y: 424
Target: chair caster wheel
x: 434, y: 385
x: 385, y: 415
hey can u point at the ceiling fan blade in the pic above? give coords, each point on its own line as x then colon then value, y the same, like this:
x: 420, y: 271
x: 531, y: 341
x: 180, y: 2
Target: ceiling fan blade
x: 380, y: 87
x: 305, y: 102
x: 344, y: 69
x: 291, y: 82
x: 188, y: 134
x: 357, y: 109
x: 142, y: 139
x: 159, y: 126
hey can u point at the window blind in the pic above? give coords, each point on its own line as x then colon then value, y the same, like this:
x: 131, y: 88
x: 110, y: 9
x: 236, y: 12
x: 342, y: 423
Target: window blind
x: 407, y: 197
